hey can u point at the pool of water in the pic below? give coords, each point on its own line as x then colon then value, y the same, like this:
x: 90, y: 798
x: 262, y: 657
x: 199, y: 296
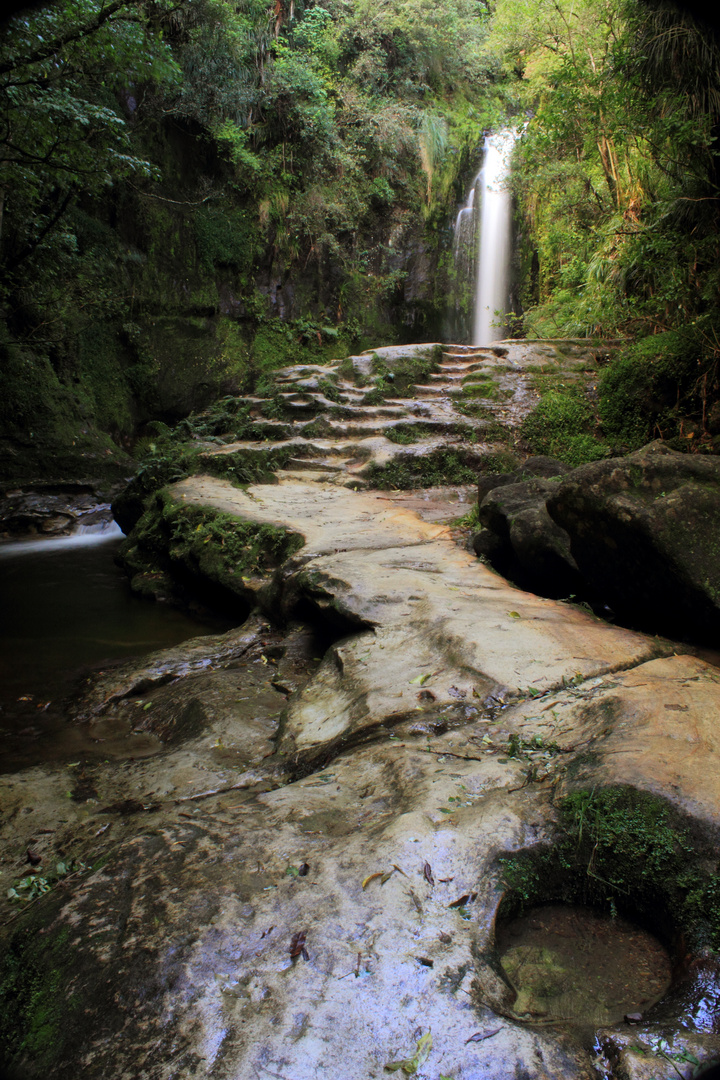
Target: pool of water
x: 66, y: 610
x: 574, y: 965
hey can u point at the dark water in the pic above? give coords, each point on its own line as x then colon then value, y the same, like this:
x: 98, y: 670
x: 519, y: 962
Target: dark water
x: 571, y: 964
x: 65, y: 610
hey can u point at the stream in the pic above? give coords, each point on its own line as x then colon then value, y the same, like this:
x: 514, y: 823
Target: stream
x: 67, y: 610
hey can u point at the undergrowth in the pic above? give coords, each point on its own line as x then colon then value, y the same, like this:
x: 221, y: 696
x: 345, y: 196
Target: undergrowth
x: 624, y: 851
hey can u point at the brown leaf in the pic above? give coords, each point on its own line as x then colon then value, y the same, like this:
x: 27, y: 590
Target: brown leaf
x: 480, y: 1036
x: 428, y: 874
x: 297, y: 945
x: 372, y: 877
x: 445, y: 938
x: 33, y: 858
x: 461, y: 901
x: 425, y: 961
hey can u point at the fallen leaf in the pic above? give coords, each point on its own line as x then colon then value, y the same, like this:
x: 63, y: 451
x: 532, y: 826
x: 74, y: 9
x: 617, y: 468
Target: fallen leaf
x: 463, y: 900
x: 420, y: 680
x: 427, y: 874
x: 513, y: 614
x: 371, y: 877
x: 445, y: 938
x: 411, y: 1065
x: 297, y: 945
x: 425, y: 961
x: 480, y: 1036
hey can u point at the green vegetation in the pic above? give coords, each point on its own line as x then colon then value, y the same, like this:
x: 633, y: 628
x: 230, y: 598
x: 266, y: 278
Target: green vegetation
x: 195, y: 194
x: 33, y: 1002
x: 423, y: 470
x: 626, y: 851
x: 558, y: 426
x: 202, y: 547
x: 616, y: 180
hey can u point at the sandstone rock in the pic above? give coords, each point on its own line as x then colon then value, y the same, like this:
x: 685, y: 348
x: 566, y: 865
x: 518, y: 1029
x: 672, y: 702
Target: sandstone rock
x: 529, y: 546
x: 644, y: 533
x: 305, y: 879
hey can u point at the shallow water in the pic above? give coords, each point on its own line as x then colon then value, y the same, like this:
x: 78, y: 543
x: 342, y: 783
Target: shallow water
x: 66, y: 610
x: 575, y: 965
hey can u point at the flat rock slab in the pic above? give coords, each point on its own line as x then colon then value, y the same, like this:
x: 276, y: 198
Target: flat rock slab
x: 442, y: 621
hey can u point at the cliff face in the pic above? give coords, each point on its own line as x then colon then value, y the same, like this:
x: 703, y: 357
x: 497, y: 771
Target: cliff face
x: 177, y: 300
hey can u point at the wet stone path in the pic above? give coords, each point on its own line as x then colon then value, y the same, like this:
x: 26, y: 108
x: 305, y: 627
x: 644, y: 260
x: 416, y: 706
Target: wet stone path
x: 305, y: 880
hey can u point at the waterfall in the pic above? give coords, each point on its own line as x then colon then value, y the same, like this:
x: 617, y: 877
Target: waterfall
x: 492, y: 290
x: 481, y: 248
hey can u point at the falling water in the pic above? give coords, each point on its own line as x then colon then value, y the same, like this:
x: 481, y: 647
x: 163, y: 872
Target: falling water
x: 491, y: 295
x: 482, y: 239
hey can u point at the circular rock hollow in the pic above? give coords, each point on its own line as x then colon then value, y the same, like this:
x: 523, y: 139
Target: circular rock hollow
x: 575, y: 965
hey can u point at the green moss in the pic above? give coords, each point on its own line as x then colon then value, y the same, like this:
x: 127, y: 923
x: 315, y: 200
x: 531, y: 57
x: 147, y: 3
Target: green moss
x: 623, y: 850
x: 423, y: 470
x: 248, y: 466
x: 202, y: 544
x: 34, y: 1005
x: 560, y: 426
x: 225, y: 238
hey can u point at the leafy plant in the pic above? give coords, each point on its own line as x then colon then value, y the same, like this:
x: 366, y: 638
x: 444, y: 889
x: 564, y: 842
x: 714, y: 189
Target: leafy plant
x: 35, y: 885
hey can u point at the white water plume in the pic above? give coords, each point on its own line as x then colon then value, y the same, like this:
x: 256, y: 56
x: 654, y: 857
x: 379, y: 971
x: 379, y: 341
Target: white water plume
x: 85, y: 536
x: 493, y: 264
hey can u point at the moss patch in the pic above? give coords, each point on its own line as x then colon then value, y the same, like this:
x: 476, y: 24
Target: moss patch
x: 625, y: 851
x: 560, y: 426
x: 424, y: 470
x: 201, y: 546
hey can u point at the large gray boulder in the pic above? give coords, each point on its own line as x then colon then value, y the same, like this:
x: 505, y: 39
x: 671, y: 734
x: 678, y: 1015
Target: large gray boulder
x: 519, y: 538
x: 645, y: 533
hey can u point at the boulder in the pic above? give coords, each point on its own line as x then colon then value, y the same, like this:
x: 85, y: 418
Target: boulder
x: 52, y: 510
x: 645, y: 533
x: 520, y: 539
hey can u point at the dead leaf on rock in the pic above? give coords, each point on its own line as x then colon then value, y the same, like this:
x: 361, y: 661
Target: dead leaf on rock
x: 411, y: 1065
x: 428, y: 874
x: 297, y: 945
x: 463, y: 900
x: 480, y: 1036
x: 383, y: 875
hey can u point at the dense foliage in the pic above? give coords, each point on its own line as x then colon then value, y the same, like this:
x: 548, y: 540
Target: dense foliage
x: 194, y: 192
x: 617, y: 184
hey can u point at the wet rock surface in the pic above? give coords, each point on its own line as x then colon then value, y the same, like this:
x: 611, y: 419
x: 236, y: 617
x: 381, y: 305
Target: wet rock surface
x: 305, y: 879
x: 649, y: 517
x: 52, y: 510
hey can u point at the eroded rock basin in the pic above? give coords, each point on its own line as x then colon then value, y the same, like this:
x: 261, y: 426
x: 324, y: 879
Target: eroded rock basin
x: 581, y: 967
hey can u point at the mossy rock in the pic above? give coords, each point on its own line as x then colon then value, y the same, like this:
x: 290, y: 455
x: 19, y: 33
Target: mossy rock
x: 204, y: 551
x: 621, y: 850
